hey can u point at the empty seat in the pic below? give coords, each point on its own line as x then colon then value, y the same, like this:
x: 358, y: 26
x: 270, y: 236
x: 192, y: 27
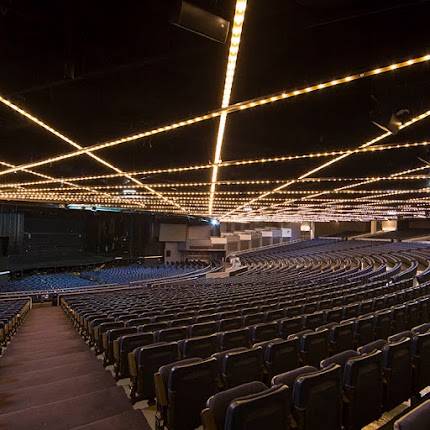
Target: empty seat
x: 310, y: 308
x: 364, y: 330
x: 230, y: 324
x: 264, y: 331
x: 289, y: 378
x: 421, y: 329
x: 413, y: 314
x: 274, y: 315
x: 399, y: 322
x: 153, y: 327
x: 248, y: 311
x: 383, y: 320
x: 363, y: 390
x: 399, y: 336
x: 366, y: 307
x: 123, y: 346
x: 317, y: 400
x: 213, y: 416
x: 181, y: 322
x: 289, y: 326
x: 267, y: 409
x: 182, y: 390
x: 341, y: 359
x: 234, y: 339
x: 137, y: 321
x: 397, y: 372
x: 334, y: 315
x: 372, y: 346
x: 281, y: 356
x: 144, y: 362
x: 351, y: 311
x: 340, y: 335
x: 314, y: 347
x: 242, y: 366
x: 202, y: 329
x: 421, y: 361
x: 100, y: 330
x: 108, y: 340
x: 312, y: 321
x: 252, y: 319
x: 202, y: 346
x: 417, y: 419
x: 171, y: 334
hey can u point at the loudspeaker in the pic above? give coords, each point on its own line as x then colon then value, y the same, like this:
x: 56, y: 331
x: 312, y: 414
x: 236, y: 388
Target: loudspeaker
x: 197, y: 20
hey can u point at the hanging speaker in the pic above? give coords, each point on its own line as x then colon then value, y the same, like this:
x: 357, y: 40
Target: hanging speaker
x: 200, y: 21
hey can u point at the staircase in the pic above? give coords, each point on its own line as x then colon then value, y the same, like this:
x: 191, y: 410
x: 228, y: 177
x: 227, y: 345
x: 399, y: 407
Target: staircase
x: 50, y: 380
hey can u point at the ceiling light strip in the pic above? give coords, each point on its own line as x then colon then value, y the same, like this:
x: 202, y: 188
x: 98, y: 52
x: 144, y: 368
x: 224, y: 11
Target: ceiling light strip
x: 364, y: 146
x: 239, y: 18
x: 233, y: 108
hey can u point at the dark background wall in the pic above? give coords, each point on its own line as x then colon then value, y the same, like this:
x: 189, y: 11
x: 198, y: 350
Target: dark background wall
x: 328, y: 228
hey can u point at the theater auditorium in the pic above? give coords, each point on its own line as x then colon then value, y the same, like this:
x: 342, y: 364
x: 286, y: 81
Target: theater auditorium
x: 215, y: 215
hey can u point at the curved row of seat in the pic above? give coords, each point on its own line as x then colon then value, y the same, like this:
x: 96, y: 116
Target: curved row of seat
x: 296, y: 306
x: 12, y: 314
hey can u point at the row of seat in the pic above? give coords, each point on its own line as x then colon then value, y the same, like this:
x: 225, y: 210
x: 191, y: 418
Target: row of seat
x: 115, y: 337
x: 12, y: 314
x: 279, y: 354
x: 346, y: 391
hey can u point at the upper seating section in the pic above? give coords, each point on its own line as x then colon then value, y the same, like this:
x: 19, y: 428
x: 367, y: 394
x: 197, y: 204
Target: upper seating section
x: 88, y: 279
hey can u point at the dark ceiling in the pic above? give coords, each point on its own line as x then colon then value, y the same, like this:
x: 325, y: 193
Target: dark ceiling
x: 100, y: 70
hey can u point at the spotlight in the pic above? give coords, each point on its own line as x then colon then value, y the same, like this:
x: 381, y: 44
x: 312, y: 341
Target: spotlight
x: 214, y: 222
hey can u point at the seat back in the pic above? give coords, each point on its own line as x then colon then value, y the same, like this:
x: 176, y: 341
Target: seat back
x: 252, y: 319
x: 124, y: 346
x: 202, y: 329
x: 397, y: 372
x: 213, y: 417
x: 149, y: 359
x: 417, y: 419
x: 364, y: 330
x: 314, y: 347
x: 363, y: 387
x: 289, y: 326
x: 230, y: 324
x: 243, y: 366
x: 171, y: 334
x: 202, y: 346
x: 383, y: 320
x: 312, y: 321
x: 264, y: 331
x: 267, y: 409
x: 234, y: 339
x: 189, y: 386
x: 334, y: 315
x: 281, y: 356
x: 317, y: 399
x: 421, y: 361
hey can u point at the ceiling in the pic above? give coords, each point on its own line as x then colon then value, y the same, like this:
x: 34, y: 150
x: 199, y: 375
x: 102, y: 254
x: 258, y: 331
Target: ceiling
x: 76, y: 75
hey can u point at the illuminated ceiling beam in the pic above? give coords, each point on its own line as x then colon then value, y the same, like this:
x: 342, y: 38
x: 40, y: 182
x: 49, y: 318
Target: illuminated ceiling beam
x: 335, y: 160
x: 239, y: 18
x: 51, y: 178
x: 69, y: 141
x: 304, y: 180
x: 241, y: 106
x: 275, y: 159
x: 393, y: 176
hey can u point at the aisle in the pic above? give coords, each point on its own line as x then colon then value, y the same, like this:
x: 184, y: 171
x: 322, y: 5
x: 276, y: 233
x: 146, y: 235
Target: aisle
x: 50, y: 380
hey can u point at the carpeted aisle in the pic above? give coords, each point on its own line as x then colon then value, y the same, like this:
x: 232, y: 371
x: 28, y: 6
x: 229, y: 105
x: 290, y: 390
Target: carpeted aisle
x: 50, y: 380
